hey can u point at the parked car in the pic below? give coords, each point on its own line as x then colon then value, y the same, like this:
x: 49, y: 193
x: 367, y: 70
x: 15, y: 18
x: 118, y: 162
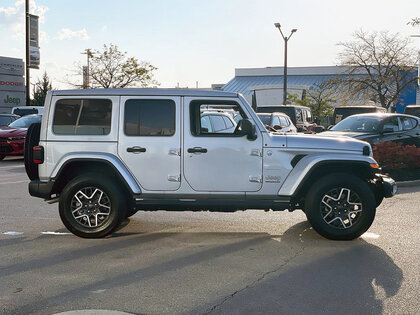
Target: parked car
x: 27, y: 110
x: 278, y: 121
x: 126, y: 150
x: 301, y: 116
x: 6, y: 119
x: 217, y: 121
x: 12, y: 137
x: 413, y: 110
x: 375, y: 128
x: 342, y: 112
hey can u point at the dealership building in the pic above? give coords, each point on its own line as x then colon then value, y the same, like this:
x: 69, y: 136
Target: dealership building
x: 265, y: 85
x: 12, y: 84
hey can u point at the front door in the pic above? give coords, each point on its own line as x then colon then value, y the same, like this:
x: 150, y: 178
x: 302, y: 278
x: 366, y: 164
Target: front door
x: 150, y: 140
x: 219, y: 161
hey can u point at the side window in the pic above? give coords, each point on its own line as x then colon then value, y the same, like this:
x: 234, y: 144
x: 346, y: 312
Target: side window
x: 391, y: 123
x: 218, y: 123
x: 228, y: 122
x: 408, y: 123
x: 148, y: 118
x: 209, y: 118
x: 82, y: 117
x: 299, y: 116
x: 283, y: 122
x: 276, y: 121
x: 205, y: 124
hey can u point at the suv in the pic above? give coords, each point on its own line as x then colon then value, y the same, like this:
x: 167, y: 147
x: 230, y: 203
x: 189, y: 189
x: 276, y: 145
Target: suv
x: 343, y: 111
x: 277, y: 121
x: 105, y: 154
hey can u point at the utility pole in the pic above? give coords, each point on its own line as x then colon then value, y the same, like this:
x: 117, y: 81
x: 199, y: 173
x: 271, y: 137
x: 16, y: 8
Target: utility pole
x: 27, y: 74
x: 286, y: 39
x: 88, y: 54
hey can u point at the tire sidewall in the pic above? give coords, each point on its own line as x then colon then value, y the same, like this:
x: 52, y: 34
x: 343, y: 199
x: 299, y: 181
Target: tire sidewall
x: 109, y: 188
x: 321, y: 187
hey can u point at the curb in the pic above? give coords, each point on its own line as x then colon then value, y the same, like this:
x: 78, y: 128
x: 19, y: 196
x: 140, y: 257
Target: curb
x: 410, y: 183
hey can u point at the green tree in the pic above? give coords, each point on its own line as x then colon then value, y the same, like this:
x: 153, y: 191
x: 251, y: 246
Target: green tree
x: 41, y: 87
x: 379, y: 67
x: 111, y: 68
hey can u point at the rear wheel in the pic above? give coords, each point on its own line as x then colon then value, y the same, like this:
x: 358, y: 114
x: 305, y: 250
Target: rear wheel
x: 91, y: 207
x: 31, y: 140
x: 340, y: 206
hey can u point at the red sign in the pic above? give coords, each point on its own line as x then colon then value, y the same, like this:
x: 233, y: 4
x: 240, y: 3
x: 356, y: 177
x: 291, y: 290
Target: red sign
x: 11, y: 83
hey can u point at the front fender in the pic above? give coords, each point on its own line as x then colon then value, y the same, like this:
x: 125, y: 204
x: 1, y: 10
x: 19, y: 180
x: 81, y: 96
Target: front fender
x: 303, y: 168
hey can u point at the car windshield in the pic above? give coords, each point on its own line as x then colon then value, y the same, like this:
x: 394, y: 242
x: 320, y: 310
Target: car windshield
x: 26, y: 121
x: 358, y: 124
x: 265, y: 119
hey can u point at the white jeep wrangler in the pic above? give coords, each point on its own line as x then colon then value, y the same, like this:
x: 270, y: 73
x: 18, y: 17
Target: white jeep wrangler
x: 105, y: 154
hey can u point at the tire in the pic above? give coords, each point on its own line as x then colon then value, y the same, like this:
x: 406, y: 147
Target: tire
x: 104, y: 196
x: 31, y: 140
x: 2, y: 157
x: 344, y: 218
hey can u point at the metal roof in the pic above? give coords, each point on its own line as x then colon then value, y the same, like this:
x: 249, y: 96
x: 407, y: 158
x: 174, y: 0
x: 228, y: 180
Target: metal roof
x: 144, y: 92
x: 242, y: 84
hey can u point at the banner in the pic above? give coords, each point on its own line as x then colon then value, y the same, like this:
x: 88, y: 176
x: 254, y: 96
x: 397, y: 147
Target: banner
x: 34, y: 57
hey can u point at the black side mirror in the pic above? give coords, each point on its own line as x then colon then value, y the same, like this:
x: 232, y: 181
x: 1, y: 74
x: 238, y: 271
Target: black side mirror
x: 248, y: 129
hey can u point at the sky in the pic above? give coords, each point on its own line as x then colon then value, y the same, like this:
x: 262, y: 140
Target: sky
x: 197, y: 41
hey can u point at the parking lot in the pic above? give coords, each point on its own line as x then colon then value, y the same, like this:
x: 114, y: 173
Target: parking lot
x: 198, y: 263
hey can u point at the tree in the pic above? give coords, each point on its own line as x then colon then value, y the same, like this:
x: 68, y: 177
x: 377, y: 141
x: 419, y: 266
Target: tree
x: 110, y: 68
x: 319, y: 98
x: 41, y: 87
x: 414, y: 22
x: 380, y: 66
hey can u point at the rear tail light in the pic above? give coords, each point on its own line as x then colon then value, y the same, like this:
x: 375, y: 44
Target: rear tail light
x: 38, y: 154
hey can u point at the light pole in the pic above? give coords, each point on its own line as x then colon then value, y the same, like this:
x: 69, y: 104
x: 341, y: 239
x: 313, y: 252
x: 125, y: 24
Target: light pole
x: 277, y: 25
x: 27, y: 56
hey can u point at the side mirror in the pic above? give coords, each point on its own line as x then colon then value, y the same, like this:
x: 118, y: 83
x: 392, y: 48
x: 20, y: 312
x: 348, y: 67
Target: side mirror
x: 329, y: 127
x: 248, y: 129
x: 277, y: 127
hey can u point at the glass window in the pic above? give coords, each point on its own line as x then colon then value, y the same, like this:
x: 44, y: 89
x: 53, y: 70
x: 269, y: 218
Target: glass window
x: 218, y: 123
x: 205, y: 124
x: 228, y: 122
x: 82, y: 117
x: 391, y: 123
x: 408, y: 123
x: 276, y: 121
x: 26, y: 121
x: 299, y: 115
x: 4, y: 120
x: 265, y: 119
x: 148, y: 118
x: 283, y: 122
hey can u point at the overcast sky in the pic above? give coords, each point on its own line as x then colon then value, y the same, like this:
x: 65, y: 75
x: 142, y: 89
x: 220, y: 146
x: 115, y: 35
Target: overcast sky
x: 200, y: 41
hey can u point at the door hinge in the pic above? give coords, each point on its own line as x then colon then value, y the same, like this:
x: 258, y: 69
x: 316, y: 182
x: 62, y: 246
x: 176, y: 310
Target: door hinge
x: 174, y: 178
x: 256, y: 152
x: 255, y: 179
x: 176, y: 151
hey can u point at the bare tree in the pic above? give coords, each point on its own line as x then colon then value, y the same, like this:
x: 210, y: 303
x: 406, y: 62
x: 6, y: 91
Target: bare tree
x: 414, y: 22
x: 380, y: 65
x: 110, y: 68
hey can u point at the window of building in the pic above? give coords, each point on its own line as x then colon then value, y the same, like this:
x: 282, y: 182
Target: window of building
x: 148, y: 118
x: 82, y: 117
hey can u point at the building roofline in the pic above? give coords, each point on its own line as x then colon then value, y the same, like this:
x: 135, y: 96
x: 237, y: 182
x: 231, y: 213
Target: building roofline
x: 278, y: 71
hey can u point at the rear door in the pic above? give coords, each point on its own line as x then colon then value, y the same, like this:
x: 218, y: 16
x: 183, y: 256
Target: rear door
x: 150, y: 140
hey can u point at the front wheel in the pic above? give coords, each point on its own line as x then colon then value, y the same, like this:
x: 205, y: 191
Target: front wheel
x: 91, y: 208
x: 340, y: 206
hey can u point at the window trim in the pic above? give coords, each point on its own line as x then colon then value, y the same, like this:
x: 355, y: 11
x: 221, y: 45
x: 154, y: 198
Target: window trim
x: 149, y: 99
x: 78, y: 117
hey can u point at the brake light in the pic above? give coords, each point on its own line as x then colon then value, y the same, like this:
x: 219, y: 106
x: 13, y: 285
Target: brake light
x: 38, y: 154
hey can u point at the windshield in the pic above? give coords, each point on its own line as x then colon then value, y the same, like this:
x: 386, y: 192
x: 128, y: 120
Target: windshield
x: 265, y: 119
x: 25, y: 122
x: 358, y: 124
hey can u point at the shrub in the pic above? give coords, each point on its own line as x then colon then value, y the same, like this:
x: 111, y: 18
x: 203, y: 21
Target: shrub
x: 393, y: 155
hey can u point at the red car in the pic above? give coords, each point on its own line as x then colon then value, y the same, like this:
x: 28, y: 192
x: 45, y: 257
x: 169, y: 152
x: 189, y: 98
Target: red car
x: 12, y: 137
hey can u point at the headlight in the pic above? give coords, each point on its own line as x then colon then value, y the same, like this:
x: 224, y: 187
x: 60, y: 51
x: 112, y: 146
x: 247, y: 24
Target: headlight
x: 15, y: 138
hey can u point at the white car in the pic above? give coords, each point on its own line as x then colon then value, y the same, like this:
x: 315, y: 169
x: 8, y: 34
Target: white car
x: 278, y: 121
x: 217, y: 121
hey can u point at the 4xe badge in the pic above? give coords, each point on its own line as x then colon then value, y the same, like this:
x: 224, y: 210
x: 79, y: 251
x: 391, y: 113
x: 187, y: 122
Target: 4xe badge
x: 12, y: 100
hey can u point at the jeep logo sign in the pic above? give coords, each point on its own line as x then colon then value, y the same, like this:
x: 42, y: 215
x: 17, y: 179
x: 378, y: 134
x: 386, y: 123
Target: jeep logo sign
x: 12, y: 100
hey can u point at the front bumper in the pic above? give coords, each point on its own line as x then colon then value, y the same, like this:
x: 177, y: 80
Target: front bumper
x: 387, y: 185
x: 41, y: 189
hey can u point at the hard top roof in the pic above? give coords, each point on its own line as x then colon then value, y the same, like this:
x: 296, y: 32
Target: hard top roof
x: 144, y: 92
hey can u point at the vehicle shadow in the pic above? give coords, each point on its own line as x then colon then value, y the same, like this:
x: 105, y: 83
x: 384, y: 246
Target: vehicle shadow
x: 354, y: 279
x: 322, y: 277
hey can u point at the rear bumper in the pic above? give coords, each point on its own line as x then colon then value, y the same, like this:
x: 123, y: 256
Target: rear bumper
x: 387, y: 185
x: 41, y: 189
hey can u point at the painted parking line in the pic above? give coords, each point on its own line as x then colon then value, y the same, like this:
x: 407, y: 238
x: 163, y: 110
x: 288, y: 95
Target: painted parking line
x: 370, y: 235
x: 56, y: 233
x: 12, y: 233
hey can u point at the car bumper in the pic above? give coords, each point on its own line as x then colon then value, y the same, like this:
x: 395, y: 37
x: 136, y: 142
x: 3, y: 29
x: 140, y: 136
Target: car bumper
x: 387, y: 185
x: 11, y: 147
x: 40, y: 189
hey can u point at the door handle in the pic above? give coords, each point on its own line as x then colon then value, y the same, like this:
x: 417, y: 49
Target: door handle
x: 197, y: 150
x: 136, y: 149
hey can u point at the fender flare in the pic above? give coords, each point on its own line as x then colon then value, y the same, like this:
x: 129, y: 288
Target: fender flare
x: 119, y: 167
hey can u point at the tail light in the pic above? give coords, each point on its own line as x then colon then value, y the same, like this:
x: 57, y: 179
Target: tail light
x: 38, y: 154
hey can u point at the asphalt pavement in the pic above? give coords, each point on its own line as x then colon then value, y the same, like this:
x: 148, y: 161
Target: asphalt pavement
x: 250, y: 262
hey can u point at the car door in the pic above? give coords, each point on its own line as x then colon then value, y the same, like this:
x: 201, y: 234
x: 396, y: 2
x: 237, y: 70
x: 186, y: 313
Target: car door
x: 391, y: 130
x: 410, y: 130
x: 150, y: 140
x: 219, y: 161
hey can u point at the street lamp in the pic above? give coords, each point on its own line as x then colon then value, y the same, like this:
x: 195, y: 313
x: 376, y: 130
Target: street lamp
x: 286, y: 38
